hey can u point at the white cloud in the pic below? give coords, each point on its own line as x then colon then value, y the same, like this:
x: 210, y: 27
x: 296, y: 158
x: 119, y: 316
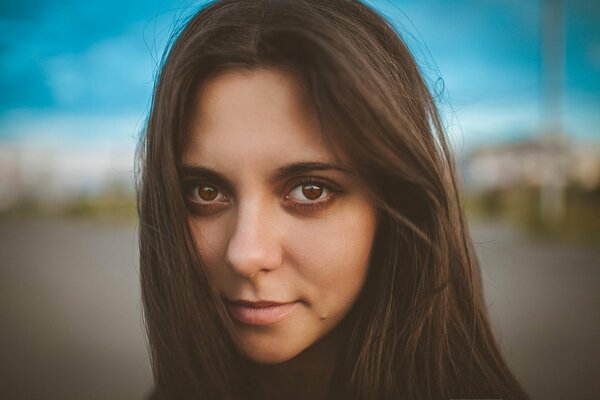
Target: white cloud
x: 56, y: 156
x: 33, y: 128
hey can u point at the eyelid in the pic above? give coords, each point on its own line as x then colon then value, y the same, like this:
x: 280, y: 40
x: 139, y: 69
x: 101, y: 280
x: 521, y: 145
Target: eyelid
x: 190, y: 185
x: 195, y: 176
x: 332, y: 188
x: 313, y: 180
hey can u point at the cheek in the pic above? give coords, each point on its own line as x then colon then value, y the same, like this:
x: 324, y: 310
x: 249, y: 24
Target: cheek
x: 210, y: 240
x: 332, y: 254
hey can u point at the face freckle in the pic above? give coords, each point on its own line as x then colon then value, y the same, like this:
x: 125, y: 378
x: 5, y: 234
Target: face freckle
x: 284, y: 231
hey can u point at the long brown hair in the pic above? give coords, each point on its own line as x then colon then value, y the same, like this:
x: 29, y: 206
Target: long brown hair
x: 419, y: 329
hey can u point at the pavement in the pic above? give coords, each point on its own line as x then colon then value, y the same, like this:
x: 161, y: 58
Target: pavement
x: 71, y: 314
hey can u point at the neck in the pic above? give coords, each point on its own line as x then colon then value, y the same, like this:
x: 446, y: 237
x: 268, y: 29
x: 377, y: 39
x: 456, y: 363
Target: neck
x: 306, y: 376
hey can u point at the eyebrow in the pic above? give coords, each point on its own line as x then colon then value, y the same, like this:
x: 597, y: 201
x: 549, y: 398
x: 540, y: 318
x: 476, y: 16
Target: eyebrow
x: 190, y: 171
x: 303, y: 167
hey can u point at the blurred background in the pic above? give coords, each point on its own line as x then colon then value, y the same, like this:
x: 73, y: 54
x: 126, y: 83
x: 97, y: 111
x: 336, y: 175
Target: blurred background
x: 518, y: 85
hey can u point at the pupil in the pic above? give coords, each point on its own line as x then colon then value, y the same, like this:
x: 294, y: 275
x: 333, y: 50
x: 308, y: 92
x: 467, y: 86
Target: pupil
x: 312, y: 192
x: 207, y: 193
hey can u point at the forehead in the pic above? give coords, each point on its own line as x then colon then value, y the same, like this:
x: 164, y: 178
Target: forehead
x: 253, y: 119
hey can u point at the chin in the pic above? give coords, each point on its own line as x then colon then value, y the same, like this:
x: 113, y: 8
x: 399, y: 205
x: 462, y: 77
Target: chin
x: 266, y: 350
x: 270, y: 354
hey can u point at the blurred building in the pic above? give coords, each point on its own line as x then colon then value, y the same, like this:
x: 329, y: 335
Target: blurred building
x: 527, y: 163
x: 53, y: 176
x: 532, y: 163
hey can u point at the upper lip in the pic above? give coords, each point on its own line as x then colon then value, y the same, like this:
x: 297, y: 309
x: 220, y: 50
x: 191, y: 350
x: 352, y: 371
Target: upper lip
x: 258, y: 304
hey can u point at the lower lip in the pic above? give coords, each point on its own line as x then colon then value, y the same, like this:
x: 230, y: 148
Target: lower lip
x: 260, y: 315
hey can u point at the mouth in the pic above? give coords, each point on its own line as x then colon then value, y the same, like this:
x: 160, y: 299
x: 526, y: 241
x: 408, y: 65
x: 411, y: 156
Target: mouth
x: 260, y: 312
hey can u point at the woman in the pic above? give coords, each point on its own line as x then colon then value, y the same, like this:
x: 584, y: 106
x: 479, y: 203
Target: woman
x: 301, y: 234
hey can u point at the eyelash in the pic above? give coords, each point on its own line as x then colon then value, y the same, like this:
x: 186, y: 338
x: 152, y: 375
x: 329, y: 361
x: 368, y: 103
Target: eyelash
x: 332, y: 190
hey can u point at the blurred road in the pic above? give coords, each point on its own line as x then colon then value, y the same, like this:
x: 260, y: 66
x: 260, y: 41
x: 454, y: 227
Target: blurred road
x: 70, y: 312
x: 71, y: 326
x: 544, y: 302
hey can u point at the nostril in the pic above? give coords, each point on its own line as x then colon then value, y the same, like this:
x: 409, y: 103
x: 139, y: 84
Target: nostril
x: 249, y: 256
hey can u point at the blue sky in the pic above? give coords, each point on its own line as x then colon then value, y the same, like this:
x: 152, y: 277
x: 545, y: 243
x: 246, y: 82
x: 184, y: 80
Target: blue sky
x: 80, y: 73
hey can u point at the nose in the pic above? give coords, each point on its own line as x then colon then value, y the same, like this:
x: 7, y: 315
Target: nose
x: 253, y: 246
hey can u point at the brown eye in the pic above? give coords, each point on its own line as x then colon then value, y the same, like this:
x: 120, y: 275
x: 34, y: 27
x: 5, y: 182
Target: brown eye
x: 309, y: 192
x: 312, y: 192
x: 207, y: 192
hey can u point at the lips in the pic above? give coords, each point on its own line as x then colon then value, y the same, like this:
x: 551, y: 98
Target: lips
x: 260, y: 312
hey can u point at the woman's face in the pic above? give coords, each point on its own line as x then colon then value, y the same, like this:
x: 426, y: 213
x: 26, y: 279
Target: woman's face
x: 284, y: 231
